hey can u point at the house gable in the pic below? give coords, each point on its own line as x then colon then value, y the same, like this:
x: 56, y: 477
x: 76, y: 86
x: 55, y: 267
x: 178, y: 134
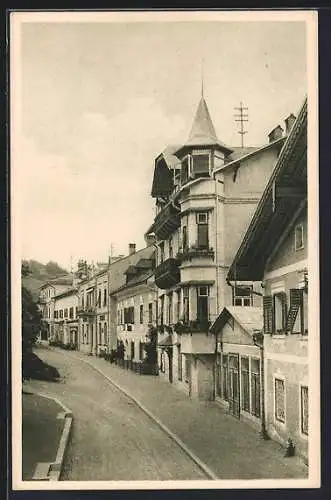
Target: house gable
x: 287, y: 254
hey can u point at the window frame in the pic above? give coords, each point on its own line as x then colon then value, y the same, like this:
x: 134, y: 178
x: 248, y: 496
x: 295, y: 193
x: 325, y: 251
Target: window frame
x: 276, y: 418
x: 242, y: 298
x: 296, y: 247
x: 302, y: 432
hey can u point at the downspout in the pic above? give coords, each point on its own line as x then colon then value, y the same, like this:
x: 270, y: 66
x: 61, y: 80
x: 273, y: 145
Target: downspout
x: 260, y: 344
x: 217, y: 284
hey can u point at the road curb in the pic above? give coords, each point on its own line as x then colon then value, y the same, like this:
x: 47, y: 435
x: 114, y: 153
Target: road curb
x: 209, y: 473
x: 52, y: 471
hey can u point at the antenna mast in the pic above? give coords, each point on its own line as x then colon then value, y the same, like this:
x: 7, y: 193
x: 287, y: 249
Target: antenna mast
x: 241, y: 117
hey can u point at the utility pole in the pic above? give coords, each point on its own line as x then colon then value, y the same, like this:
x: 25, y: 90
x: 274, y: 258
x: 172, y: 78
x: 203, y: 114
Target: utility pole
x: 241, y: 117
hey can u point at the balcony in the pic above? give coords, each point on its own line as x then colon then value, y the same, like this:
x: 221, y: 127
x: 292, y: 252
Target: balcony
x: 195, y: 326
x: 166, y: 222
x: 167, y: 274
x: 86, y: 311
x: 195, y: 252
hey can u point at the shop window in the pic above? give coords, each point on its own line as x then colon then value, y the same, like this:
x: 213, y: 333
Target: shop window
x: 298, y: 238
x: 202, y: 222
x: 280, y: 400
x: 304, y: 410
x: 245, y: 384
x: 255, y: 388
x: 100, y: 334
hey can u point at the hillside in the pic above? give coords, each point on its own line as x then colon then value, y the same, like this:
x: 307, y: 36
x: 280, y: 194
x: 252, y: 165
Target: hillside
x: 39, y: 274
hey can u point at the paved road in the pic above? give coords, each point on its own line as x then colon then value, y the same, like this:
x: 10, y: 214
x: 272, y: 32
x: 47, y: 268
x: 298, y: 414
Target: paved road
x: 112, y: 439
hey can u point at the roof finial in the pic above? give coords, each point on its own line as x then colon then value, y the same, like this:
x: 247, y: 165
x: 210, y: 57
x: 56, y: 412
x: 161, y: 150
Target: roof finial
x: 202, y: 77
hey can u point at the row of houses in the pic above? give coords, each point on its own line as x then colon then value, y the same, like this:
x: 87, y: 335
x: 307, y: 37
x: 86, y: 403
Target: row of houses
x: 223, y: 278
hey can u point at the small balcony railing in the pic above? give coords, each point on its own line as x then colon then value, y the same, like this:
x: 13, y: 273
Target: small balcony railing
x: 193, y: 326
x: 166, y: 222
x: 86, y: 311
x: 167, y: 274
x: 195, y: 252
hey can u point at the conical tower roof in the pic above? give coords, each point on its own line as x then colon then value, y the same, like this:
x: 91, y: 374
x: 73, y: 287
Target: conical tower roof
x: 202, y: 131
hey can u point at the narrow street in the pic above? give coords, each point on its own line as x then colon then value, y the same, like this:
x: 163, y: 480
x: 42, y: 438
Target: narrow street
x: 112, y: 439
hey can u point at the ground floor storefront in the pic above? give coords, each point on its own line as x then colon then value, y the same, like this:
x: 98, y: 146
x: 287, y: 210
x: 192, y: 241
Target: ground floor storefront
x: 239, y: 384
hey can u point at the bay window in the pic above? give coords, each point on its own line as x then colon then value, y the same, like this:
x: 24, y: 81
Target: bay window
x: 202, y: 222
x: 186, y: 304
x: 202, y: 304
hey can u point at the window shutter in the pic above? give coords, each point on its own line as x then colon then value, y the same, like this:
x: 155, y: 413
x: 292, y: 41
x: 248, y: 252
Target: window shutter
x: 296, y: 299
x: 267, y: 313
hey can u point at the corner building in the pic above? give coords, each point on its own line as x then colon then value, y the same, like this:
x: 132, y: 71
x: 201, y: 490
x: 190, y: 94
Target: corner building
x: 205, y: 194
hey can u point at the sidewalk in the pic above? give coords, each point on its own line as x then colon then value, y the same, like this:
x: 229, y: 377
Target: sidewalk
x: 41, y: 432
x: 231, y: 448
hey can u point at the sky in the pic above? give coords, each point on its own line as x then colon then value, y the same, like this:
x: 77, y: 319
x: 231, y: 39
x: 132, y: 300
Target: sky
x: 99, y: 101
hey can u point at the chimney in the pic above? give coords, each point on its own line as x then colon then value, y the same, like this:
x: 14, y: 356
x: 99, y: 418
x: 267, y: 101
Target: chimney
x: 289, y: 122
x: 275, y: 134
x: 149, y: 239
x: 132, y: 248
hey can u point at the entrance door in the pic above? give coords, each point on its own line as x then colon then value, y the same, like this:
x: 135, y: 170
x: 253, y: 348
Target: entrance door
x: 234, y: 387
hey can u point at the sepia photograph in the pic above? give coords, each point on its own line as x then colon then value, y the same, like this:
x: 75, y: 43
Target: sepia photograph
x: 164, y: 242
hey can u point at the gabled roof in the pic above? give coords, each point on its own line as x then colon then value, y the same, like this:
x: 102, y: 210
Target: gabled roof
x: 66, y: 293
x: 249, y: 318
x: 65, y: 279
x: 117, y: 277
x: 283, y: 196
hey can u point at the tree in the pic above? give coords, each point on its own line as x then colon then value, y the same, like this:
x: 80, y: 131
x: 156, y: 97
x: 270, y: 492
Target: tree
x: 31, y: 316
